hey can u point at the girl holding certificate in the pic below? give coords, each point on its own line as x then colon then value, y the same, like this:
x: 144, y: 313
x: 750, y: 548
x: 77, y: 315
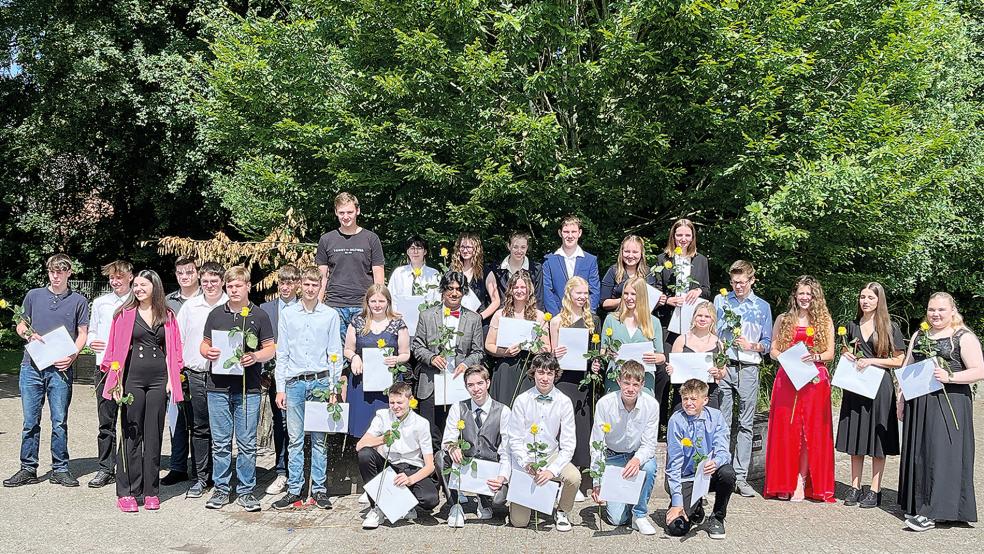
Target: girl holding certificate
x: 633, y: 323
x: 936, y: 480
x: 509, y: 371
x: 869, y: 427
x: 631, y: 262
x: 702, y: 337
x: 799, y: 456
x: 467, y: 258
x: 683, y: 273
x: 377, y: 322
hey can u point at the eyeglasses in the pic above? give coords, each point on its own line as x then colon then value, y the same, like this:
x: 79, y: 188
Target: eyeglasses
x: 416, y: 248
x: 739, y: 283
x: 463, y: 247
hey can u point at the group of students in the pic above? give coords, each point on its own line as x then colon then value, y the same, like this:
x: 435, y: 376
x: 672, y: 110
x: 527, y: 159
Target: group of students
x: 524, y: 412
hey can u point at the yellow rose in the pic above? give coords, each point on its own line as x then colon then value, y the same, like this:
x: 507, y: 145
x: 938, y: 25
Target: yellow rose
x: 447, y: 312
x: 413, y: 403
x: 723, y: 291
x: 678, y: 251
x: 444, y: 252
x: 547, y: 316
x: 841, y: 331
x: 606, y: 427
x: 184, y: 377
x: 608, y: 332
x: 924, y: 326
x: 736, y: 331
x: 461, y: 424
x: 115, y: 366
x: 244, y: 312
x: 534, y: 428
x: 595, y: 338
x: 810, y: 331
x: 416, y: 272
x: 333, y: 358
x: 685, y: 441
x: 668, y: 264
x: 3, y: 304
x: 380, y: 343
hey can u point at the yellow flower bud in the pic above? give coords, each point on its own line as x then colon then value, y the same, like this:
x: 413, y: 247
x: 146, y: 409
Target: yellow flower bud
x: 685, y: 441
x: 447, y: 312
x: 595, y: 338
x: 115, y: 366
x: 333, y: 358
x: 461, y: 424
x: 723, y: 291
x: 244, y: 312
x: 924, y: 326
x: 534, y: 428
x: 606, y: 427
x: 668, y: 264
x: 608, y: 332
x: 3, y: 304
x: 444, y: 252
x: 678, y: 251
x: 810, y: 331
x: 413, y: 403
x: 380, y: 343
x: 841, y: 331
x: 547, y: 316
x: 736, y: 331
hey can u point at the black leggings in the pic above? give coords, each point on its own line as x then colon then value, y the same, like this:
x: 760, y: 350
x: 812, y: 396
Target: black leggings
x: 143, y: 432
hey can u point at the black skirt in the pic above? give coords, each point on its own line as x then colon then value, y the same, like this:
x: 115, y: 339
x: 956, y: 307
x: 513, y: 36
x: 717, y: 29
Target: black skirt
x: 869, y: 427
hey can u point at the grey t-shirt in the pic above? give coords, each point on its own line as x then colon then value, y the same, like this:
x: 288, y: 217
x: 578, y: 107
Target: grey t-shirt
x: 48, y: 311
x: 349, y: 259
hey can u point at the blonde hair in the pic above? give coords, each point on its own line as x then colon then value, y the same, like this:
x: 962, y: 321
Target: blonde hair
x: 288, y: 272
x: 458, y: 264
x: 818, y: 314
x: 641, y: 313
x: 741, y: 267
x: 311, y: 273
x: 508, y: 307
x: 59, y: 262
x: 119, y: 267
x: 345, y: 198
x: 958, y: 321
x: 374, y: 289
x: 641, y: 269
x: 236, y: 273
x: 568, y: 315
x: 671, y: 242
x: 571, y: 220
x: 711, y: 311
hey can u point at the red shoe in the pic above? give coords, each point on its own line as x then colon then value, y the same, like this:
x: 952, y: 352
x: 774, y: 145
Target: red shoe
x: 127, y: 504
x: 152, y: 503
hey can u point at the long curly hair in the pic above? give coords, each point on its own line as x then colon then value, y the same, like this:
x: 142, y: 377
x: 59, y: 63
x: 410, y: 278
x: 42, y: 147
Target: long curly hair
x: 818, y: 314
x: 478, y: 258
x: 508, y: 308
x: 569, y: 312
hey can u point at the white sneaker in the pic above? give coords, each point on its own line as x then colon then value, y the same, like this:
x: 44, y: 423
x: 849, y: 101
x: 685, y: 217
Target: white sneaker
x: 579, y: 496
x: 364, y: 499
x: 481, y: 510
x: 643, y: 525
x: 411, y: 515
x: 457, y: 516
x: 561, y: 521
x: 278, y: 485
x: 373, y: 519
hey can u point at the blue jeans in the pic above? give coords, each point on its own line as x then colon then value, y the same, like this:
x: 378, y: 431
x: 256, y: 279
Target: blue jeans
x: 35, y: 385
x: 345, y: 317
x: 618, y: 514
x: 298, y: 392
x: 225, y: 416
x: 179, y: 442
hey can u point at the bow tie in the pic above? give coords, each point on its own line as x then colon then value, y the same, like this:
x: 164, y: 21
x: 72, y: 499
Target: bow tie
x: 544, y: 397
x: 455, y: 313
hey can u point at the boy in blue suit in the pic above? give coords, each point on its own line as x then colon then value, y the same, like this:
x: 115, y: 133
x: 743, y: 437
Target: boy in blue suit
x: 569, y: 260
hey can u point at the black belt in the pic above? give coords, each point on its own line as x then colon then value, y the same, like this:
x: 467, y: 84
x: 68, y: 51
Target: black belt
x: 609, y: 452
x: 310, y: 376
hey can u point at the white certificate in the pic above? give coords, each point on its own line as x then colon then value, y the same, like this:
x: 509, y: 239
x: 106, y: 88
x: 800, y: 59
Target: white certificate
x: 752, y: 332
x: 682, y: 317
x: 653, y: 296
x: 702, y: 483
x: 449, y: 390
x: 394, y: 501
x: 474, y: 479
x: 615, y: 488
x: 228, y: 343
x: 409, y: 309
x: 691, y: 365
x: 525, y: 492
x: 513, y: 331
x: 634, y: 351
x: 375, y: 375
x: 576, y: 341
x: 917, y: 379
x: 172, y: 415
x: 317, y: 419
x: 798, y: 371
x: 866, y: 383
x: 57, y: 345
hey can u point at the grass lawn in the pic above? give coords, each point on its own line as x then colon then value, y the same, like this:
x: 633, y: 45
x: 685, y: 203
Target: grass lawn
x: 10, y: 361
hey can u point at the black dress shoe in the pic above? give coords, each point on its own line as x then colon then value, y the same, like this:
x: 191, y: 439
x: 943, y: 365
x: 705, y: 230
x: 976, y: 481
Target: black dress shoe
x: 173, y: 478
x: 852, y: 497
x: 870, y: 499
x: 22, y: 477
x: 63, y: 478
x: 102, y: 479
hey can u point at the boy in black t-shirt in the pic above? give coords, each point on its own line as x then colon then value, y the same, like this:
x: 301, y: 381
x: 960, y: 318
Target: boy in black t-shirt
x: 230, y: 411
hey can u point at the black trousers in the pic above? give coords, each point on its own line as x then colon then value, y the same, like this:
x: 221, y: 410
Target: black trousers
x: 106, y: 411
x: 143, y: 433
x: 437, y: 416
x: 196, y: 412
x: 425, y: 491
x: 723, y: 485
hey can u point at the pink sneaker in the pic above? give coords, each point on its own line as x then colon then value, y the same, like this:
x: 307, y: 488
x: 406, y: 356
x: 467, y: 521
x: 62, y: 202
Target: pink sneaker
x: 152, y: 503
x: 127, y: 504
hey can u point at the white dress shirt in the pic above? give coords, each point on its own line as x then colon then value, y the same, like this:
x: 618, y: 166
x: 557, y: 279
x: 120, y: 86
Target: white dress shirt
x: 634, y: 431
x: 305, y: 342
x: 191, y: 322
x: 452, y: 322
x: 101, y: 319
x: 414, y: 442
x: 451, y: 432
x: 570, y: 261
x: 556, y: 422
x: 401, y: 282
x: 505, y: 265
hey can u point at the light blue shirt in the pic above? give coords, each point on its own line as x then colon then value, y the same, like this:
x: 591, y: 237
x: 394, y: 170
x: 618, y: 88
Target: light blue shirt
x: 305, y: 342
x: 709, y: 436
x: 756, y: 320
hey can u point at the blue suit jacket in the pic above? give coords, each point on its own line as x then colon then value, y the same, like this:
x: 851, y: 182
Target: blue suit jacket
x: 554, y: 276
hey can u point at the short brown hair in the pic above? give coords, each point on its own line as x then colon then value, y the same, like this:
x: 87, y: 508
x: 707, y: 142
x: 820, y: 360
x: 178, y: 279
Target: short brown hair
x: 311, y: 273
x: 289, y: 272
x: 477, y: 369
x: 694, y: 387
x: 236, y: 273
x: 401, y: 387
x: 741, y: 267
x: 119, y: 267
x: 545, y: 360
x: 632, y: 369
x: 59, y: 262
x: 571, y: 220
x: 345, y: 198
x: 185, y: 260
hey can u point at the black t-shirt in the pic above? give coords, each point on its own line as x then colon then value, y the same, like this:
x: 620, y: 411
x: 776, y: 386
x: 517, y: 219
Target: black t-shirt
x: 350, y: 259
x: 222, y: 319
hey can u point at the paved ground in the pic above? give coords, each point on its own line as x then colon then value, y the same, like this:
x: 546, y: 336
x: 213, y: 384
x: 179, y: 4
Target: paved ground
x: 46, y: 518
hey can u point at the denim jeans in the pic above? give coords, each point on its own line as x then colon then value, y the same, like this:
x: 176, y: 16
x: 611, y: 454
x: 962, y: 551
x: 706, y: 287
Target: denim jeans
x: 298, y: 392
x: 225, y: 417
x: 345, y: 317
x: 35, y: 385
x: 618, y: 514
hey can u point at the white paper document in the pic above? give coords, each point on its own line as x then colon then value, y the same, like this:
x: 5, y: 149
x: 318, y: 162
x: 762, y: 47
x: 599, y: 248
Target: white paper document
x: 448, y: 390
x: 615, y: 488
x: 172, y: 415
x: 513, y: 331
x: 317, y: 419
x: 576, y: 341
x: 798, y: 371
x: 394, y: 501
x: 57, y: 345
x: 653, y: 296
x: 475, y: 480
x: 702, y: 483
x: 634, y: 351
x: 917, y: 379
x: 409, y: 308
x: 228, y: 343
x: 682, y: 317
x: 376, y: 376
x: 752, y: 332
x: 866, y: 383
x: 691, y: 365
x: 525, y: 492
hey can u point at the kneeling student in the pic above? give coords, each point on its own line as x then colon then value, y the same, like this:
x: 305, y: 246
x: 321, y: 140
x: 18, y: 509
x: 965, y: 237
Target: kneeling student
x: 697, y: 431
x: 632, y: 423
x: 482, y: 423
x: 411, y: 456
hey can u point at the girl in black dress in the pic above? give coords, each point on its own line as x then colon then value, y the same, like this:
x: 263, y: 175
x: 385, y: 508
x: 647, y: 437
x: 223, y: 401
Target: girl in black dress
x: 868, y: 427
x: 467, y: 258
x: 631, y: 262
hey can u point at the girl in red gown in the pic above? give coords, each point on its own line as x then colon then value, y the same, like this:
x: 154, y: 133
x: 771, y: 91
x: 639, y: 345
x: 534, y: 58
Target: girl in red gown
x: 799, y: 456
